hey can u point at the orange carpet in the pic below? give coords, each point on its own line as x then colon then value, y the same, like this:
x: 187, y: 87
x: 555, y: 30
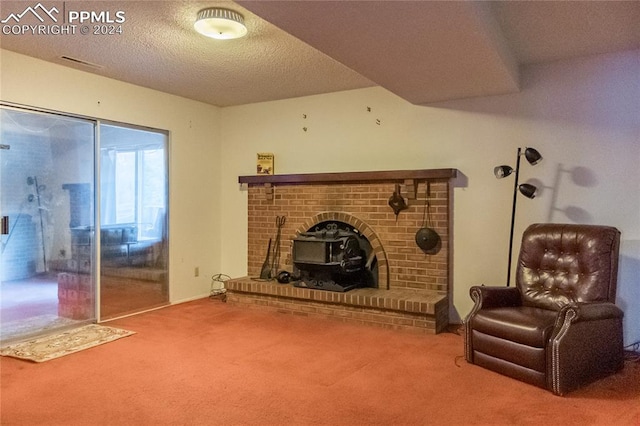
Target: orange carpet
x: 208, y: 363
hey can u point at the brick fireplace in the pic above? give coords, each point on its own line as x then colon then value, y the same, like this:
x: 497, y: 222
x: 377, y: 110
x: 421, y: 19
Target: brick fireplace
x: 412, y: 286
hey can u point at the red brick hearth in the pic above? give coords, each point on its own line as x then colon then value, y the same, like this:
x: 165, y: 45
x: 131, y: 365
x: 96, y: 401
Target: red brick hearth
x: 413, y: 287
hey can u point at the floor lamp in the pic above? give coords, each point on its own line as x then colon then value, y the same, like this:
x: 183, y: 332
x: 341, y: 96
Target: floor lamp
x: 526, y: 189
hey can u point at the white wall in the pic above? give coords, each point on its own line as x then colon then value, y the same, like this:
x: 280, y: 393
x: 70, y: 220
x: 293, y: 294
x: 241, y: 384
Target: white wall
x: 194, y: 152
x: 582, y: 115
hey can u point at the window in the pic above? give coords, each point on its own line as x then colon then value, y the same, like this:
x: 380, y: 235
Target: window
x: 125, y: 187
x: 133, y: 180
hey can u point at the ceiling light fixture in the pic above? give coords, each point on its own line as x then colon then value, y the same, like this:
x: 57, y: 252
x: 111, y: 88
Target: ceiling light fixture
x: 221, y: 24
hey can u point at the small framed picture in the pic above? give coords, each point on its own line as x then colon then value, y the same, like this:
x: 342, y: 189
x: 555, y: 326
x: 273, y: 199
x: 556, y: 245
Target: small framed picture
x: 265, y: 163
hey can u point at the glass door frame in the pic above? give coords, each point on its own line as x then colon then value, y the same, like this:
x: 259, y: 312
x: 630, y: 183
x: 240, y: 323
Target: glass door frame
x: 98, y: 194
x: 92, y: 313
x: 97, y: 122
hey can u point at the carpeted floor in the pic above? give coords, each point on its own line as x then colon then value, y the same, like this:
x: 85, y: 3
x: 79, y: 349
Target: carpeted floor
x: 208, y: 363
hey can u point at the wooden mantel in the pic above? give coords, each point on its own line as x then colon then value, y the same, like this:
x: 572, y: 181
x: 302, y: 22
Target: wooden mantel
x: 388, y: 175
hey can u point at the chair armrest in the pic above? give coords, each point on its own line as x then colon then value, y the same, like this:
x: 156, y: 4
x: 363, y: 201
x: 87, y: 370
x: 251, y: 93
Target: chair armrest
x: 487, y: 297
x: 586, y: 344
x: 495, y: 297
x: 592, y: 311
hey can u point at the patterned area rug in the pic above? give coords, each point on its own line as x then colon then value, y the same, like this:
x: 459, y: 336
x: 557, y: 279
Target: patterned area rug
x: 56, y: 345
x: 24, y: 328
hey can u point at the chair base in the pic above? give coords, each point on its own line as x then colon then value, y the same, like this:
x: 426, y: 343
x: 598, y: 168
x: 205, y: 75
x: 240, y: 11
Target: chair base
x: 510, y: 369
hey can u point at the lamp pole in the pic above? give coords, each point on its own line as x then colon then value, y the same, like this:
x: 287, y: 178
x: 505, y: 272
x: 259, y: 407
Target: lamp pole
x: 528, y: 190
x: 513, y: 215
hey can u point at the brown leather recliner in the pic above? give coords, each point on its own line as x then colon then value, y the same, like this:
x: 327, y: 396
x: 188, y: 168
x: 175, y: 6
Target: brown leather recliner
x: 558, y: 328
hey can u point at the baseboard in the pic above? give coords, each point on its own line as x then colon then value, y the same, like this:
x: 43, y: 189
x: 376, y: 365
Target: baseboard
x: 177, y: 302
x: 189, y: 299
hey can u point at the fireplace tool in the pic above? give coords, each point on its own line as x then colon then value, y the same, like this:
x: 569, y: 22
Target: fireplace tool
x: 396, y: 201
x: 265, y: 271
x: 280, y: 221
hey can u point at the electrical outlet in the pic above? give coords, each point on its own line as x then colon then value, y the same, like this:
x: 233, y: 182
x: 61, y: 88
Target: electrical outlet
x: 196, y: 271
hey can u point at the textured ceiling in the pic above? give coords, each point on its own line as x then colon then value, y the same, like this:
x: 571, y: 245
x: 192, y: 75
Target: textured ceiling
x: 423, y: 51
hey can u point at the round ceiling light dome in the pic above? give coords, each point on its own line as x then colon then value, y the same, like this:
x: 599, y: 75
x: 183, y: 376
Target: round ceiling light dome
x: 218, y: 23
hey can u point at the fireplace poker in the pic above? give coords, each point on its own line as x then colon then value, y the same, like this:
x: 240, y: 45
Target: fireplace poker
x: 280, y: 221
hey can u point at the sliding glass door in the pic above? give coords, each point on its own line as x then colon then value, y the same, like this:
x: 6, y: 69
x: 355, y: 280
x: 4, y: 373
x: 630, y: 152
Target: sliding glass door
x: 47, y: 190
x: 61, y: 263
x: 133, y: 216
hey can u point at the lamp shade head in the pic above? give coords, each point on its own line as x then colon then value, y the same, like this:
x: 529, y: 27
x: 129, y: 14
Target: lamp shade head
x: 532, y: 156
x: 502, y: 171
x: 528, y: 190
x: 221, y: 24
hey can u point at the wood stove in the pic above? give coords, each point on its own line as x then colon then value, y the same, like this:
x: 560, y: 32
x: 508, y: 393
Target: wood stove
x: 332, y: 258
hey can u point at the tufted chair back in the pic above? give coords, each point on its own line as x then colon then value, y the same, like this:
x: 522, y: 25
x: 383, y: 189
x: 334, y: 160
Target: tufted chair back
x: 562, y: 264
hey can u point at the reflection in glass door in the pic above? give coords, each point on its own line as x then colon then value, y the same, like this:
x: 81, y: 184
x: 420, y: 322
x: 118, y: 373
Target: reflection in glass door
x: 133, y: 216
x: 46, y: 201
